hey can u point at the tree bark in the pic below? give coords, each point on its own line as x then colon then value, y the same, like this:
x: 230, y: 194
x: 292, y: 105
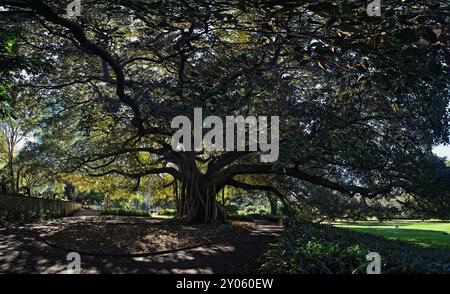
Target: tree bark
x: 198, y: 201
x: 273, y: 203
x: 223, y: 197
x: 177, y: 197
x: 19, y: 171
x: 11, y: 171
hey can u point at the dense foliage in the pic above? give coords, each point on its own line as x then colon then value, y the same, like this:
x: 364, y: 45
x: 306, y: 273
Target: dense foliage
x: 308, y: 248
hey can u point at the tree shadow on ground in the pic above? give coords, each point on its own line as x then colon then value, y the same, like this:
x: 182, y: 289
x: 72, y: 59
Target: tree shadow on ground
x: 21, y: 251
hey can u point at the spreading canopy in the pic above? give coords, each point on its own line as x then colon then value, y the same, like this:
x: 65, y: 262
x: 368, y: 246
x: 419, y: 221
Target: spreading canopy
x: 361, y: 100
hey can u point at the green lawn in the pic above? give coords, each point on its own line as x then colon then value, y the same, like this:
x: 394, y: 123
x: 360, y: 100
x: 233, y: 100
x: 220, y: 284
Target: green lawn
x: 423, y: 233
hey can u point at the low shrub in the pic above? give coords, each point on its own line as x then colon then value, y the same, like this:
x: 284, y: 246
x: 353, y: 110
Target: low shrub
x: 8, y: 217
x: 308, y: 248
x: 168, y: 212
x: 125, y: 212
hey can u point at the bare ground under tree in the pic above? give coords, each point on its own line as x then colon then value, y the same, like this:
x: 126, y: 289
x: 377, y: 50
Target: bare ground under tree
x: 24, y: 249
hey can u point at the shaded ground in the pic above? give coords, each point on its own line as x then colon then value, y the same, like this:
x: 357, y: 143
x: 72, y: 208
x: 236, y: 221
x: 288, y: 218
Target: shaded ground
x: 22, y: 250
x: 114, y: 235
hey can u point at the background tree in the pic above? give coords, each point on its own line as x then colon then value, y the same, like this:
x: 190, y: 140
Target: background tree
x: 32, y: 174
x: 20, y: 124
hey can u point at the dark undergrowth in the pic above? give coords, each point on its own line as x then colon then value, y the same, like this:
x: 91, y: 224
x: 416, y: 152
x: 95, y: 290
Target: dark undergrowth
x: 8, y: 217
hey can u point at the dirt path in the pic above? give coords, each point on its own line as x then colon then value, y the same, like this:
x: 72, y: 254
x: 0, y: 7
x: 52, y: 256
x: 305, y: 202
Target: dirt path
x: 22, y: 251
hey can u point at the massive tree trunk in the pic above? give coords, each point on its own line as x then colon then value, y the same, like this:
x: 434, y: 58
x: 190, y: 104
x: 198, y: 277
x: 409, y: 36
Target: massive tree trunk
x: 198, y: 199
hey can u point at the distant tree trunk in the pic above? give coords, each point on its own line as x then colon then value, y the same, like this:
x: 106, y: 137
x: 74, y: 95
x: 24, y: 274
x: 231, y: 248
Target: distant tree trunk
x: 11, y: 170
x: 19, y: 171
x: 177, y: 198
x: 223, y: 197
x: 108, y: 201
x: 273, y: 203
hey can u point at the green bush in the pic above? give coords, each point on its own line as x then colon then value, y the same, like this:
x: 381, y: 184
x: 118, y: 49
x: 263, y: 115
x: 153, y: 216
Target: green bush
x: 21, y: 217
x: 125, y: 212
x: 168, y: 212
x: 309, y: 248
x: 231, y: 209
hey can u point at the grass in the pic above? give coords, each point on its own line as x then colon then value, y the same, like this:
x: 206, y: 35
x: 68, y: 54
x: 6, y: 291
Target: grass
x: 423, y: 233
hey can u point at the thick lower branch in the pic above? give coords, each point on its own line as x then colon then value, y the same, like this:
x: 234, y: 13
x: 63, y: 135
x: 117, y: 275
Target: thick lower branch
x: 245, y: 186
